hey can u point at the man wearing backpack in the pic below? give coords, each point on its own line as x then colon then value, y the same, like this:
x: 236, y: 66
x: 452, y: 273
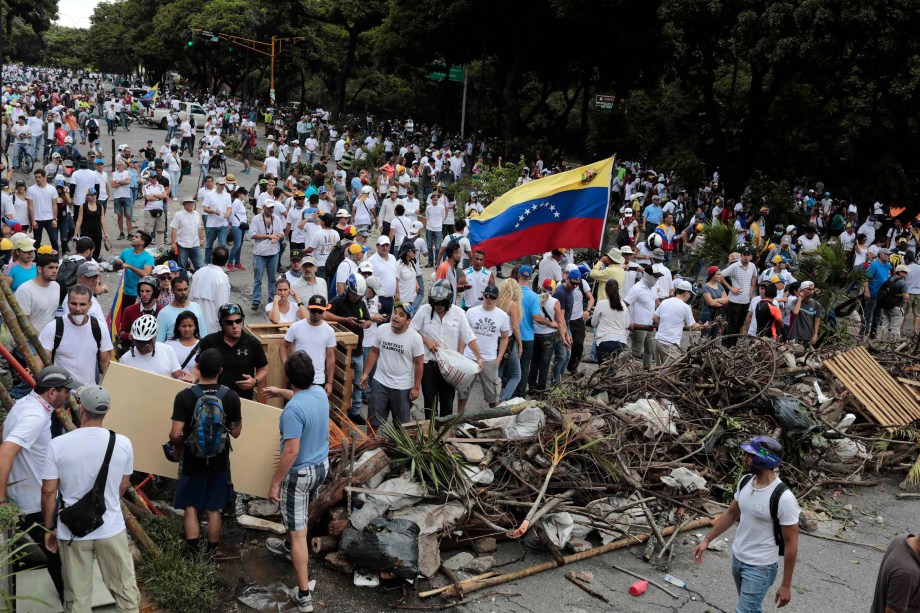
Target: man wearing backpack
x: 91, y: 459
x: 203, y: 416
x: 768, y: 528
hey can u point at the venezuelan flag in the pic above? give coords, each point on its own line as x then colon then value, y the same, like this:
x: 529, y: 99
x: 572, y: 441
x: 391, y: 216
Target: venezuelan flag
x: 566, y: 210
x: 114, y: 318
x: 152, y: 93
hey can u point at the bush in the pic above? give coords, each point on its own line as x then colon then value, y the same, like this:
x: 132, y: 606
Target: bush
x: 258, y: 153
x: 233, y: 145
x: 176, y: 581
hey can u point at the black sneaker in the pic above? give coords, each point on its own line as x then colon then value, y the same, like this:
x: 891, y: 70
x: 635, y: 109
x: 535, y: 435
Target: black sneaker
x: 357, y: 420
x: 255, y: 307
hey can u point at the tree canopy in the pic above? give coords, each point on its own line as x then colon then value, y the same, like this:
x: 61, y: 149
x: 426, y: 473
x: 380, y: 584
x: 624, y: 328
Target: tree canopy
x: 827, y: 89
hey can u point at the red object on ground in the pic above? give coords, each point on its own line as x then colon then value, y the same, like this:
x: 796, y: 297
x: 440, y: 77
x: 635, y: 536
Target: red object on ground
x: 638, y: 588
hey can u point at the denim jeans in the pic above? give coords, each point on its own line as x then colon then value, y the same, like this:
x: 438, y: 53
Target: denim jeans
x: 434, y: 245
x: 262, y: 264
x: 36, y: 141
x: 562, y: 355
x: 526, y: 356
x: 212, y: 234
x: 66, y: 228
x: 357, y: 365
x: 871, y: 315
x: 752, y: 583
x: 510, y: 372
x: 237, y: 244
x: 190, y: 253
x: 16, y: 149
x: 543, y: 345
x: 174, y: 176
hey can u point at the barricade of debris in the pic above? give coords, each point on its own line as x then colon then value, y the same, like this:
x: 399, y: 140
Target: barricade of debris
x: 615, y: 458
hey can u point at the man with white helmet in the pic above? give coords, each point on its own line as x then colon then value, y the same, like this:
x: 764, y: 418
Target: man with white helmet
x: 146, y: 355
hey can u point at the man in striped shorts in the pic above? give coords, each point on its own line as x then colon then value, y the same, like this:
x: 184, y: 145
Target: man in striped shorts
x: 304, y: 426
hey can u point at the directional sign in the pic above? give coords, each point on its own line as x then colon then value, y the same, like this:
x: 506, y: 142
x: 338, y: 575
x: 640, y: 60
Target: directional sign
x: 456, y: 73
x: 603, y: 102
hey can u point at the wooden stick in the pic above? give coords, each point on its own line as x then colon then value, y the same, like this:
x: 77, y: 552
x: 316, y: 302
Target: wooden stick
x: 452, y: 577
x: 444, y: 588
x: 571, y: 577
x: 475, y: 585
x: 654, y: 526
x: 333, y: 493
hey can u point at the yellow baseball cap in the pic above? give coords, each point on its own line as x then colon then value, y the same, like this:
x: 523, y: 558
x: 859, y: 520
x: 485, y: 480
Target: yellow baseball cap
x: 355, y: 248
x: 6, y: 244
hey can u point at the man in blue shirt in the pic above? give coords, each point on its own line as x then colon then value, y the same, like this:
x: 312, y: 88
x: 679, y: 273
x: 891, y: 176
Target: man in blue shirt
x: 137, y: 263
x: 876, y: 275
x: 303, y: 466
x: 652, y: 216
x: 530, y: 306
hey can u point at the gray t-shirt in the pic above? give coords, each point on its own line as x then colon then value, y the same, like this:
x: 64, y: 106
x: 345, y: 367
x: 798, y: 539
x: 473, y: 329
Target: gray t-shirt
x: 898, y: 583
x: 38, y: 303
x: 803, y: 323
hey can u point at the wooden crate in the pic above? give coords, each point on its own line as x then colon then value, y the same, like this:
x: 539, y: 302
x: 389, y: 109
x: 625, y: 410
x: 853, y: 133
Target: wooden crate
x: 272, y: 335
x: 875, y: 391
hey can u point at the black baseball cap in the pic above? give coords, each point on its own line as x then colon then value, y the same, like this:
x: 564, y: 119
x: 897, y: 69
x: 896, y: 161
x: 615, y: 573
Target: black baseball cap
x: 650, y: 270
x: 317, y: 303
x: 490, y: 291
x: 56, y: 376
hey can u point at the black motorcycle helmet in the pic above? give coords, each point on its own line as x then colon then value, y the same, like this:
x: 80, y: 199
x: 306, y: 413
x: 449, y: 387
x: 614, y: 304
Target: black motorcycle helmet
x: 441, y: 294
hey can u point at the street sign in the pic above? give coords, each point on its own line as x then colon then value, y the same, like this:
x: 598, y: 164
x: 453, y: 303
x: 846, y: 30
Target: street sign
x: 456, y: 73
x: 603, y: 102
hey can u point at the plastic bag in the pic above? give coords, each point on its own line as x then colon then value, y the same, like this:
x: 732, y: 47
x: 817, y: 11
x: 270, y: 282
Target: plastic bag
x: 684, y: 480
x: 659, y: 416
x: 457, y: 369
x: 791, y: 417
x: 385, y: 544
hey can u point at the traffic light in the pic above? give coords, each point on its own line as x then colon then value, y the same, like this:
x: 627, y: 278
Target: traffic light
x: 191, y: 43
x: 214, y: 39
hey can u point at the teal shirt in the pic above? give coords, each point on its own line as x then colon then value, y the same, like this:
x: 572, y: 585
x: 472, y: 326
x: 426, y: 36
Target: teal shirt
x: 306, y: 417
x: 20, y: 275
x: 138, y: 260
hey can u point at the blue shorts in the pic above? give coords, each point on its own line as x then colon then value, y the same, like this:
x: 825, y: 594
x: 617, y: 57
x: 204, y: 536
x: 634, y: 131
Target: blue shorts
x: 208, y: 493
x: 124, y: 205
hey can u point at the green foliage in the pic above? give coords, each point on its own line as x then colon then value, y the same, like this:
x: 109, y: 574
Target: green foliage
x: 719, y: 240
x: 827, y: 268
x: 233, y: 144
x: 424, y: 452
x: 495, y: 181
x: 176, y: 581
x: 258, y: 154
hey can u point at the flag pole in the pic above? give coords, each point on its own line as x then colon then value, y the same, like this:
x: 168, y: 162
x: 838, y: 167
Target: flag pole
x: 613, y: 162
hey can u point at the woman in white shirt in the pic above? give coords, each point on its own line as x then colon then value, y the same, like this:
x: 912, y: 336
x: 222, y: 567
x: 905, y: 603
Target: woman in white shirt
x: 238, y: 216
x: 173, y: 167
x: 281, y: 310
x: 611, y: 323
x: 186, y: 336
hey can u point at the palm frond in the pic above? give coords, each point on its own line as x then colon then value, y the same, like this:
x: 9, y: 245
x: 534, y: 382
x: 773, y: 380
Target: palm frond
x: 719, y: 240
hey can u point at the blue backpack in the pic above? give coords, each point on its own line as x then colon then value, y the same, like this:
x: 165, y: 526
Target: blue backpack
x: 208, y: 435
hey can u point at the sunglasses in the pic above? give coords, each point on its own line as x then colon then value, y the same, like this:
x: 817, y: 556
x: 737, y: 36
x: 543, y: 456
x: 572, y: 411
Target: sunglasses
x: 138, y: 343
x: 233, y: 322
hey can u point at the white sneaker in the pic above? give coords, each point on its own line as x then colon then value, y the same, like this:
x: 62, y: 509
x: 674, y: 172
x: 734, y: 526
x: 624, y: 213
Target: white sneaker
x: 278, y: 546
x: 304, y: 603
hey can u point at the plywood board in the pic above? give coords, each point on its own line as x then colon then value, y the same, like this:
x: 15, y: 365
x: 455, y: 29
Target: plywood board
x: 873, y: 388
x: 36, y: 583
x: 142, y: 406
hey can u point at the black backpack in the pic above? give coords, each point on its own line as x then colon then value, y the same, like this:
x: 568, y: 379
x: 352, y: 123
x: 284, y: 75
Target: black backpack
x: 67, y: 274
x: 888, y: 295
x: 774, y: 510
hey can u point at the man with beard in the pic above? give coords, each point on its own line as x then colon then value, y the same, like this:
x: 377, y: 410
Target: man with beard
x: 77, y: 341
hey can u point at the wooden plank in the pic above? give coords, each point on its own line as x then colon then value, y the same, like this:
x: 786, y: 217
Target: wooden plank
x: 883, y: 398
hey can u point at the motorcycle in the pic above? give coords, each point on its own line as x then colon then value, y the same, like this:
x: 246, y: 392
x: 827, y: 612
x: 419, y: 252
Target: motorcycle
x: 218, y: 162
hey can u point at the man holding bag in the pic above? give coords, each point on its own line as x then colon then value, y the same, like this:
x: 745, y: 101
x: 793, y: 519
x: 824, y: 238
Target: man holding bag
x: 442, y: 324
x: 91, y: 468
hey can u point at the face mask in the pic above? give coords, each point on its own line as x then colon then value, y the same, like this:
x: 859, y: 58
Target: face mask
x: 294, y: 273
x: 649, y: 280
x: 79, y: 320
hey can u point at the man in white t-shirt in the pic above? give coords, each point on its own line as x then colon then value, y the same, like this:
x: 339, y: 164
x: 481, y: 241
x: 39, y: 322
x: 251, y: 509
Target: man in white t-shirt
x: 218, y: 205
x: 384, y: 265
x: 398, y: 355
x: 79, y: 351
x: 121, y: 196
x: 23, y: 453
x: 187, y: 235
x: 435, y: 213
x: 271, y: 165
x: 155, y: 197
x: 38, y: 297
x: 349, y: 266
x: 70, y: 471
x: 757, y: 547
x: 671, y: 316
x: 323, y: 242
x: 43, y: 211
x: 147, y: 355
x: 316, y: 338
x: 491, y: 325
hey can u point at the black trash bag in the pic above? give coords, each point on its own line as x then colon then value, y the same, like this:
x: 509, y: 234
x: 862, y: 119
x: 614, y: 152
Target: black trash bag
x: 791, y: 417
x: 385, y: 544
x: 846, y: 308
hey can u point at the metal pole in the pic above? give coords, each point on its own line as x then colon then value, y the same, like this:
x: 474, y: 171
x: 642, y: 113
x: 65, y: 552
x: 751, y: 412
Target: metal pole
x: 272, y: 97
x: 466, y: 80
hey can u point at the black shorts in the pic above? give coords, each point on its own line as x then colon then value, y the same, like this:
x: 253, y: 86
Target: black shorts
x: 208, y: 493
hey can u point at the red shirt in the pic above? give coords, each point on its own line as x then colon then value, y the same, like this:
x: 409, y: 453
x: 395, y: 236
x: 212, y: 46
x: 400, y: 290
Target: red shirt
x: 59, y: 135
x: 130, y: 314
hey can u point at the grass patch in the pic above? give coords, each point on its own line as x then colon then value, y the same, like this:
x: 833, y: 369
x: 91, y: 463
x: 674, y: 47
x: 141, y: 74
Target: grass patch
x: 176, y: 581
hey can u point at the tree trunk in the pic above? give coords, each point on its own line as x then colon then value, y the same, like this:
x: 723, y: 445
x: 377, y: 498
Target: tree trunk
x: 338, y: 97
x: 510, y: 100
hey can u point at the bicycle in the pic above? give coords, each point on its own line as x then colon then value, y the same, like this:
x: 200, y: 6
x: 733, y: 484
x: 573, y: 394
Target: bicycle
x: 25, y: 161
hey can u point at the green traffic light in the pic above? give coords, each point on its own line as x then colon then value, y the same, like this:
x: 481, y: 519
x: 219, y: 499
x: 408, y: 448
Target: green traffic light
x: 191, y: 43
